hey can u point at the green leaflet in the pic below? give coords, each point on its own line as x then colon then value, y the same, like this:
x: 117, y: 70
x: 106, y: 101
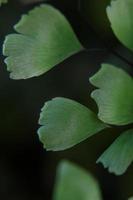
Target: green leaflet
x: 45, y: 38
x: 65, y: 123
x: 114, y: 96
x: 120, y: 14
x: 119, y: 155
x: 74, y: 183
x: 3, y: 1
x: 131, y: 198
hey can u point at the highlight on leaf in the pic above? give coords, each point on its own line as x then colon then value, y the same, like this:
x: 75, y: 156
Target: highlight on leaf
x: 119, y: 155
x: 65, y: 123
x: 131, y: 198
x: 3, y: 1
x: 74, y: 183
x: 113, y: 96
x: 44, y: 38
x: 120, y: 14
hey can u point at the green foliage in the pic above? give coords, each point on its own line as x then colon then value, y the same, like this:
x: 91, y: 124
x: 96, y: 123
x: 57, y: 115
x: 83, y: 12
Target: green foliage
x: 44, y: 39
x: 120, y: 154
x: 113, y: 96
x: 74, y: 183
x: 65, y: 123
x: 131, y: 198
x: 120, y: 14
x: 3, y: 1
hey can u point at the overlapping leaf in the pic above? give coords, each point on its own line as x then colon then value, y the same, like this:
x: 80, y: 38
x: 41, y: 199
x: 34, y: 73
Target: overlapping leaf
x: 120, y: 14
x: 65, y: 123
x: 119, y: 155
x: 44, y: 39
x: 74, y: 183
x: 114, y: 95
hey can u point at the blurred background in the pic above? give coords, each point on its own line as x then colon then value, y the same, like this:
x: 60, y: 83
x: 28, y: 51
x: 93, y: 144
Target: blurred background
x: 27, y: 171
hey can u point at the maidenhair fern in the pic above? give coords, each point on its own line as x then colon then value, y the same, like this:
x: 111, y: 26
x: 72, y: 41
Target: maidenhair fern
x: 3, y: 1
x: 120, y: 14
x: 131, y: 198
x: 75, y: 183
x: 120, y: 154
x: 113, y: 85
x: 66, y: 123
x: 45, y: 38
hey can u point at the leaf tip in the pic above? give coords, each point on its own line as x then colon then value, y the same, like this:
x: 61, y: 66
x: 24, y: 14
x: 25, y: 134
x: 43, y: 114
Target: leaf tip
x: 108, y: 167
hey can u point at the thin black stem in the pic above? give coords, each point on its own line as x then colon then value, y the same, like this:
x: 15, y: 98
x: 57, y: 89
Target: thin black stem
x: 121, y: 57
x: 106, y: 47
x: 96, y: 49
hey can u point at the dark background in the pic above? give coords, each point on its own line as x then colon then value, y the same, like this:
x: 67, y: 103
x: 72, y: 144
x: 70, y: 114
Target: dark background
x: 27, y: 171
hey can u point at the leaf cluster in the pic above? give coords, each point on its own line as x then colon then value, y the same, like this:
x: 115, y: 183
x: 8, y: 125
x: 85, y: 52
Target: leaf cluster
x: 75, y: 183
x: 43, y: 39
